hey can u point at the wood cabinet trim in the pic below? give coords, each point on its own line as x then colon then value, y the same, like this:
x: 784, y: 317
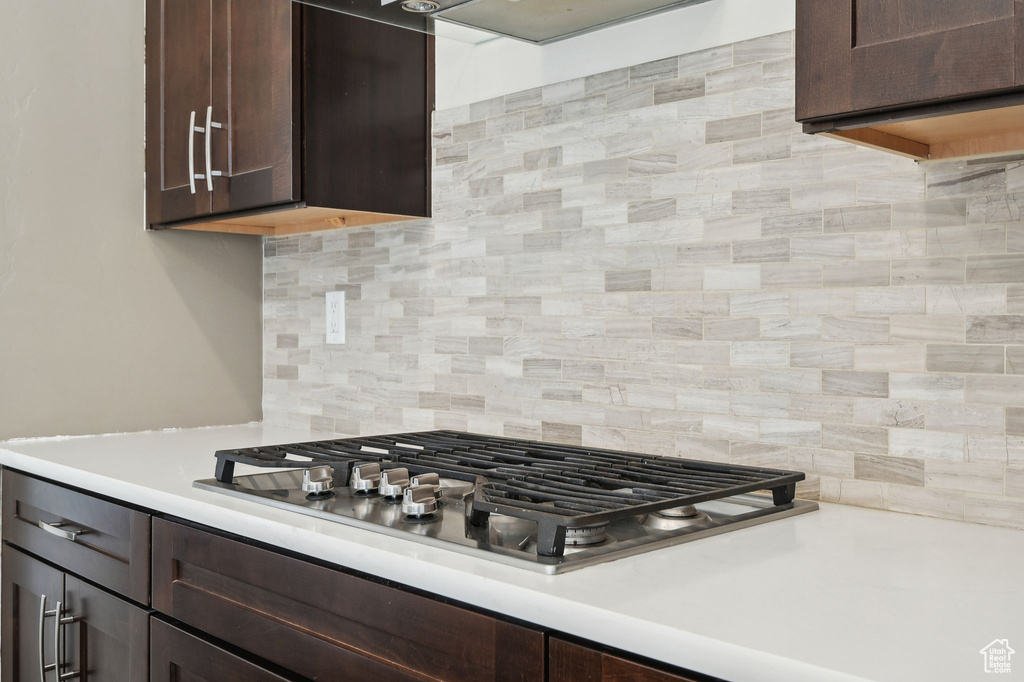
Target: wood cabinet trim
x: 279, y: 223
x: 873, y: 138
x: 951, y: 135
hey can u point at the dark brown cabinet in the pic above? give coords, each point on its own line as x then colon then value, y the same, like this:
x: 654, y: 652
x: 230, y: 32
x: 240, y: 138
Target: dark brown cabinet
x: 870, y: 54
x: 178, y: 84
x: 221, y: 103
x: 271, y: 117
x: 254, y: 91
x: 108, y: 640
x: 178, y: 656
x: 73, y: 600
x: 923, y: 78
x: 569, y: 662
x: 99, y: 540
x: 55, y: 623
x: 323, y: 624
x: 30, y: 590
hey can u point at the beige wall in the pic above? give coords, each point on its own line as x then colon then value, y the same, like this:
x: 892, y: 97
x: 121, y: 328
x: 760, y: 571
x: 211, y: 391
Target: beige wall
x: 105, y: 327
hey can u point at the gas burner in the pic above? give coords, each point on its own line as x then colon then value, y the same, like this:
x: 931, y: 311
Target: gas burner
x: 586, y: 535
x: 508, y: 531
x: 675, y: 518
x: 687, y: 512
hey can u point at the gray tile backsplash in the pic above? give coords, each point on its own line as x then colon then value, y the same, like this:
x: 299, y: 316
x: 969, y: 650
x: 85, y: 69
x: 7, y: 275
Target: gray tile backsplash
x: 657, y: 259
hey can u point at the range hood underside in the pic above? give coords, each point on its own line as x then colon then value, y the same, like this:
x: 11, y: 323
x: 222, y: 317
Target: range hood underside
x: 546, y: 21
x: 534, y: 21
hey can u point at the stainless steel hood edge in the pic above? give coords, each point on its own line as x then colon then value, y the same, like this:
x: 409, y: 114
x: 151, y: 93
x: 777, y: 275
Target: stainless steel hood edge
x: 517, y: 19
x: 450, y: 12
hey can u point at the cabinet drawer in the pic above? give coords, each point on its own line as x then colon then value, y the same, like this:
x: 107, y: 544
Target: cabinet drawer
x: 324, y: 624
x: 574, y: 663
x: 112, y: 548
x: 177, y: 656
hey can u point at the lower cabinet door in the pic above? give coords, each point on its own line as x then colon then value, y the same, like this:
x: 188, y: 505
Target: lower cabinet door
x: 574, y: 663
x: 30, y: 588
x: 108, y: 639
x: 176, y: 655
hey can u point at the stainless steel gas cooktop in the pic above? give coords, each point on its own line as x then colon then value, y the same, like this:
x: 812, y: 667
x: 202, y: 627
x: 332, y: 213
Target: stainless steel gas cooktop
x: 543, y: 506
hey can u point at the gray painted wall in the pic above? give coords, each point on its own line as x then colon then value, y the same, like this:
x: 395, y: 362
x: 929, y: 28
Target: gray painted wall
x: 105, y: 327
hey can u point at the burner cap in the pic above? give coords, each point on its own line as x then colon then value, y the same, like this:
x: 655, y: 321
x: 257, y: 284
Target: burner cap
x: 687, y: 512
x: 675, y: 518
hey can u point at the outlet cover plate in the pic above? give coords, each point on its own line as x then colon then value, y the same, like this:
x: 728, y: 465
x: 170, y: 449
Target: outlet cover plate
x: 335, y: 317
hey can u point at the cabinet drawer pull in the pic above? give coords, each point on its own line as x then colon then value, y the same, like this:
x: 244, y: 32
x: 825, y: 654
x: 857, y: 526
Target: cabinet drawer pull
x: 59, y: 530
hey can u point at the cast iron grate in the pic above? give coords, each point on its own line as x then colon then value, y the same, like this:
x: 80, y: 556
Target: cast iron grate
x: 558, y: 486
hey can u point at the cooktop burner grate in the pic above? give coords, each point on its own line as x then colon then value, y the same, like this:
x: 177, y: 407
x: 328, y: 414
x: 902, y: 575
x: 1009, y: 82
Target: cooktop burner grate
x: 557, y: 486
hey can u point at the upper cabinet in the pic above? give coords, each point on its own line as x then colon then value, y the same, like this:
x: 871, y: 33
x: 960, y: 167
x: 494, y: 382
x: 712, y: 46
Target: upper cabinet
x: 270, y: 117
x: 927, y: 79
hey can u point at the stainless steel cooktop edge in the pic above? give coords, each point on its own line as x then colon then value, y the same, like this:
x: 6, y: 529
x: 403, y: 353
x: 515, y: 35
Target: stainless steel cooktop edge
x: 446, y: 534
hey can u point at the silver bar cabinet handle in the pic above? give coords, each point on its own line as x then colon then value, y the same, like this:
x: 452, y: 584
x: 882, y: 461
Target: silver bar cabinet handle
x: 58, y: 637
x: 56, y: 640
x: 210, y: 125
x: 43, y: 615
x: 192, y: 152
x: 59, y: 530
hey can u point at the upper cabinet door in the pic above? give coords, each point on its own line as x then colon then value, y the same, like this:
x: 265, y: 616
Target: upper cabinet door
x: 255, y: 96
x: 863, y: 55
x: 178, y: 48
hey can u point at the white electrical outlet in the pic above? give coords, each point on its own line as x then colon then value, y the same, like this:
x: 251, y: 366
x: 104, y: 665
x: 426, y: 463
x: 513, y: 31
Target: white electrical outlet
x: 335, y: 317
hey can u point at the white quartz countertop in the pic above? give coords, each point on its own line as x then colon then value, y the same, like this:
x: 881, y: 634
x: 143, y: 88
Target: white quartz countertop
x: 838, y: 594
